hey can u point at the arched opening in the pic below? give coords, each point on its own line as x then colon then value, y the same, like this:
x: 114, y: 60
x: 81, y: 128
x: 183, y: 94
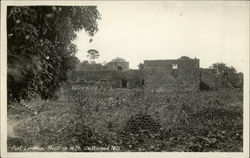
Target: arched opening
x: 119, y: 68
x: 142, y: 82
x: 124, y: 83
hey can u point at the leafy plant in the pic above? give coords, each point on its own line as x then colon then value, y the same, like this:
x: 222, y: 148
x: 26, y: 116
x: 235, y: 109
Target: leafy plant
x: 93, y: 55
x: 228, y: 76
x: 191, y: 122
x: 40, y: 48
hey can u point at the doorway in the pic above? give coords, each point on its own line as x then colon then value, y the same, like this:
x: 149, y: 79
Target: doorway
x: 119, y: 68
x: 124, y: 83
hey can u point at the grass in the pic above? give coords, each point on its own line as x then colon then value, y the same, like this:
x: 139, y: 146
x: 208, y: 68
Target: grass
x: 199, y: 121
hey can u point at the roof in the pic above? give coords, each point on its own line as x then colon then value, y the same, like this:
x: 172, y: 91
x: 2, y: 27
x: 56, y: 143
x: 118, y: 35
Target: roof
x: 184, y: 58
x: 118, y: 60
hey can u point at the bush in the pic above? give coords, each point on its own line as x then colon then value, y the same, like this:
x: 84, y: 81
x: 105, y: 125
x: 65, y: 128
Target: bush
x: 202, y: 121
x: 40, y: 48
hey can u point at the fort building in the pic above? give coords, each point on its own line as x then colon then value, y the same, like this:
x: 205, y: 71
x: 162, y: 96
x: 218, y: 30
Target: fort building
x: 118, y: 64
x: 171, y: 75
x: 182, y: 74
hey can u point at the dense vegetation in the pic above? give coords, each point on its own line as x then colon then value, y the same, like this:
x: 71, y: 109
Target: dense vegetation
x: 228, y: 76
x: 199, y: 121
x: 40, y: 49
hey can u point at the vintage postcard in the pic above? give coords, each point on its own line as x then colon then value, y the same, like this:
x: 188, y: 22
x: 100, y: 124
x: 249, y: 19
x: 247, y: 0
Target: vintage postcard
x: 125, y: 79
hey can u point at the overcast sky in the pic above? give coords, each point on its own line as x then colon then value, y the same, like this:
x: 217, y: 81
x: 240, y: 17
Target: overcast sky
x: 137, y: 31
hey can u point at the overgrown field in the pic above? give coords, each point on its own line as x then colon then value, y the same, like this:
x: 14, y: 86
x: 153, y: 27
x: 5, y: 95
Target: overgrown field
x: 128, y: 120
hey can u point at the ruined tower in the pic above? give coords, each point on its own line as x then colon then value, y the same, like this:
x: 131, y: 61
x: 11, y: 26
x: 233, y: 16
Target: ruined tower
x: 171, y: 75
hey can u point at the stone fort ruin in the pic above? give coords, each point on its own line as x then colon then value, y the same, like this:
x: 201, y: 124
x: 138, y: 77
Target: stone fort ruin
x: 182, y: 74
x: 171, y: 75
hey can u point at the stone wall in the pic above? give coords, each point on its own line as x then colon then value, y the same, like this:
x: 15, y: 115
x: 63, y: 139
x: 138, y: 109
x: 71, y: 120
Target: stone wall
x: 134, y: 78
x: 171, y: 75
x: 116, y: 65
x: 113, y: 77
x: 182, y: 74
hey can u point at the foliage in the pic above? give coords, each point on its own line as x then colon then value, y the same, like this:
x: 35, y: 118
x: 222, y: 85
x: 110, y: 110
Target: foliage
x: 228, y: 75
x: 40, y: 52
x: 93, y: 66
x: 201, y: 121
x: 93, y: 55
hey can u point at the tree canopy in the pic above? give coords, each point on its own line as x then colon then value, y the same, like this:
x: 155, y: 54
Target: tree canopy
x: 228, y: 75
x: 93, y: 55
x: 40, y: 49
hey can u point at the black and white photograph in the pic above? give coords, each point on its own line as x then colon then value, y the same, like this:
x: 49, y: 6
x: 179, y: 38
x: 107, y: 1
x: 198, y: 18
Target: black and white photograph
x: 125, y: 77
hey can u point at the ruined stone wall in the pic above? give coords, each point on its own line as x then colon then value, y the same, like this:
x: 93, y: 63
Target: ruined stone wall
x: 134, y: 78
x: 171, y: 75
x: 156, y: 76
x: 113, y: 77
x: 115, y: 65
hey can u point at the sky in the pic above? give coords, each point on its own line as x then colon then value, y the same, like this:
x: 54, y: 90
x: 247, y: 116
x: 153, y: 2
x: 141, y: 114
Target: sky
x: 145, y: 30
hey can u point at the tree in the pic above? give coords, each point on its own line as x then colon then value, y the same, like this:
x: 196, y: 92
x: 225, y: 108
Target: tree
x: 93, y: 55
x: 104, y: 63
x: 40, y: 50
x: 228, y: 75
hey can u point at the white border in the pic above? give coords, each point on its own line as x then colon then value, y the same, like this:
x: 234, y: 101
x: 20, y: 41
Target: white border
x: 3, y: 100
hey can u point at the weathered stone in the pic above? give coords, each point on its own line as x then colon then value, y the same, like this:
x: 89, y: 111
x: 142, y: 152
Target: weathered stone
x: 159, y: 76
x: 171, y: 75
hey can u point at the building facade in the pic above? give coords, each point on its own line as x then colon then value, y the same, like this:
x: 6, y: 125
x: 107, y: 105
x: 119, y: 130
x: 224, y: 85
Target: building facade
x: 171, y: 75
x: 118, y: 64
x: 183, y: 74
